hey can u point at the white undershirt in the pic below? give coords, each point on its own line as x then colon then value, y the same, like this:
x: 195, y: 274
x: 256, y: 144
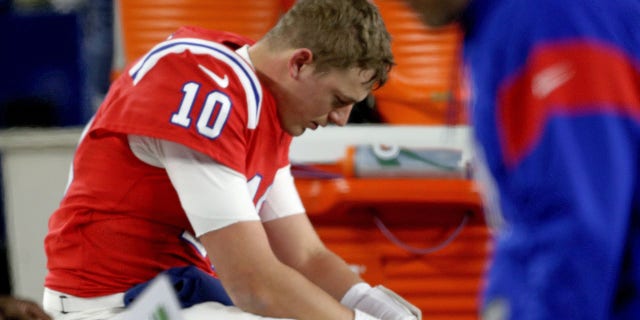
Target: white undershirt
x: 213, y: 195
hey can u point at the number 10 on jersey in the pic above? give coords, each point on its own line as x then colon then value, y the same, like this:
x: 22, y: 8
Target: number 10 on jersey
x: 213, y: 115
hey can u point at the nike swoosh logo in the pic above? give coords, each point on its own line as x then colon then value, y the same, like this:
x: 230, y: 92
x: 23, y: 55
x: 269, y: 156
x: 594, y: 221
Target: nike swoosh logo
x: 223, y: 82
x: 550, y: 79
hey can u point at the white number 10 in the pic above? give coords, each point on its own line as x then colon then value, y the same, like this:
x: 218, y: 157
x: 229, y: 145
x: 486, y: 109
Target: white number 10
x: 209, y: 124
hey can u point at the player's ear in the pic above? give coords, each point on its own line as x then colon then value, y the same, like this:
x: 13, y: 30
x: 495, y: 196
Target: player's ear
x: 300, y: 59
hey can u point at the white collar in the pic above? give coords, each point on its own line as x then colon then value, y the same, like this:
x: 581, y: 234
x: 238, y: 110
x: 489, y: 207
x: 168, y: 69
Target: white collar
x: 244, y: 53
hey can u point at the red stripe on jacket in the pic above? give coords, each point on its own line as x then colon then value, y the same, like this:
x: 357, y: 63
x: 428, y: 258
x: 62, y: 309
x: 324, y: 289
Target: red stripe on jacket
x: 571, y: 79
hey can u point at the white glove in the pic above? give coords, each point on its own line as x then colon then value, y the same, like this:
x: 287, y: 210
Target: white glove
x: 363, y: 316
x: 380, y: 302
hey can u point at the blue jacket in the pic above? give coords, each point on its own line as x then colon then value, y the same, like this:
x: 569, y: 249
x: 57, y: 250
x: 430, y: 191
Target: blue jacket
x: 555, y: 107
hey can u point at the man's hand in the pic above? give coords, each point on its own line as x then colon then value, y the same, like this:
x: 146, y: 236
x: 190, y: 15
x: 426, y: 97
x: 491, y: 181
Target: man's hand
x: 380, y: 302
x: 18, y: 309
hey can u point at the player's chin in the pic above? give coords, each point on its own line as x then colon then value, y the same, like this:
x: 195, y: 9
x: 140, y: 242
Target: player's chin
x: 296, y: 130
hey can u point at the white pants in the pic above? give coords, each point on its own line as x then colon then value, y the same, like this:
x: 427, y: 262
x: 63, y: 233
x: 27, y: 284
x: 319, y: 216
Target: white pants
x: 68, y: 307
x: 213, y: 310
x: 62, y: 306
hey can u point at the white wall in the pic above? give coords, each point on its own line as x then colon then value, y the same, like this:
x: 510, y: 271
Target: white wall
x: 35, y: 166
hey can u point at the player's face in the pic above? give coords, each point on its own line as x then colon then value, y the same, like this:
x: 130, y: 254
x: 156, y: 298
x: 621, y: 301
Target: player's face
x: 319, y: 99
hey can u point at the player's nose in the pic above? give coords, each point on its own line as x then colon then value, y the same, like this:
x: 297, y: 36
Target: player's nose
x: 340, y: 116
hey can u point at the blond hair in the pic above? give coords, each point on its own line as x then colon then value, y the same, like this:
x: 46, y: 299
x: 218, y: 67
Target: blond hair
x: 341, y: 34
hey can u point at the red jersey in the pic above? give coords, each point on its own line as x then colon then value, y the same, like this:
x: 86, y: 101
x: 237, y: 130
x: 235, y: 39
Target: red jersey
x: 121, y: 222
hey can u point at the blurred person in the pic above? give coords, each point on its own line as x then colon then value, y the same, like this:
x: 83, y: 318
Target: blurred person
x: 184, y: 171
x: 555, y: 111
x: 12, y: 308
x: 28, y: 6
x: 5, y: 6
x: 97, y: 39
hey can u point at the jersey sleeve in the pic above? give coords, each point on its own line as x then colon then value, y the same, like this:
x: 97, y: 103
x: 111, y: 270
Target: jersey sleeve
x: 190, y: 91
x: 282, y: 198
x: 213, y: 196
